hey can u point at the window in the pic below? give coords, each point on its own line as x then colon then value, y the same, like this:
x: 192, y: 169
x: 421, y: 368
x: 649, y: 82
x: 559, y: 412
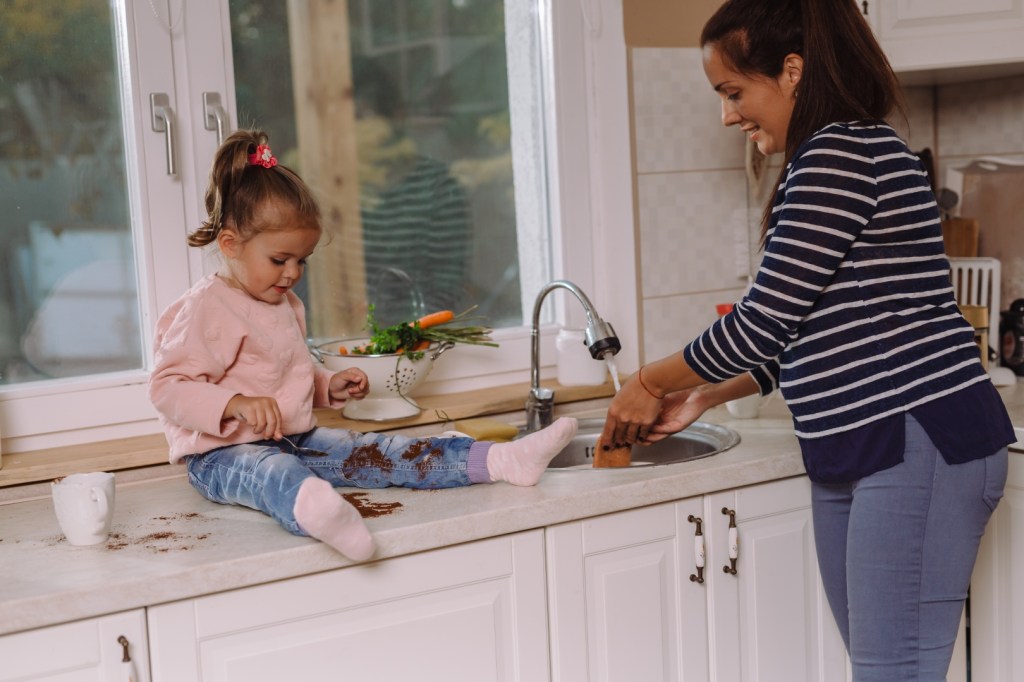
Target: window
x: 113, y: 199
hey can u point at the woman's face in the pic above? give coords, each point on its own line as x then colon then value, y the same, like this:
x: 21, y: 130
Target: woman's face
x: 759, y: 105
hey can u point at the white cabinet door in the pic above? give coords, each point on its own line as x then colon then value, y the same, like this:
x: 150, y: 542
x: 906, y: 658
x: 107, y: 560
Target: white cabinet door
x: 83, y: 651
x: 925, y: 35
x: 770, y: 620
x: 472, y: 612
x: 997, y: 588
x: 621, y: 604
x: 625, y: 600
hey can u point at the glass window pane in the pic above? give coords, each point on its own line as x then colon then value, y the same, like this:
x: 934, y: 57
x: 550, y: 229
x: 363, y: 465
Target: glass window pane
x: 68, y: 291
x: 414, y: 170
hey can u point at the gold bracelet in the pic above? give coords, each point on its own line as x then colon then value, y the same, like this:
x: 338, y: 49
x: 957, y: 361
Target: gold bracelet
x: 640, y: 378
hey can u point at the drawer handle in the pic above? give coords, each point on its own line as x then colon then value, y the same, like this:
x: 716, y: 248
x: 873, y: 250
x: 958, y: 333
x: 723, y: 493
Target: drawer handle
x: 123, y: 641
x: 734, y: 542
x: 698, y: 550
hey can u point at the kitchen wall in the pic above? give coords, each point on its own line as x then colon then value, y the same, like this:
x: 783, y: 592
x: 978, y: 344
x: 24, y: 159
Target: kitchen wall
x: 698, y: 223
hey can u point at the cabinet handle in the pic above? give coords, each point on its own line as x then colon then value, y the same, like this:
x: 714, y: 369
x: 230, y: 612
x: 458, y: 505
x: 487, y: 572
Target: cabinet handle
x: 698, y: 550
x: 734, y: 541
x: 163, y: 122
x: 214, y: 116
x: 123, y: 641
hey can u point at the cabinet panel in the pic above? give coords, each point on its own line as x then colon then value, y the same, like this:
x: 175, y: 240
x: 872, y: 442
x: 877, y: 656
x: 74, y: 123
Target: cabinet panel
x: 84, y: 651
x: 632, y: 633
x: 771, y: 620
x: 937, y: 41
x: 997, y: 588
x: 621, y: 601
x: 469, y: 612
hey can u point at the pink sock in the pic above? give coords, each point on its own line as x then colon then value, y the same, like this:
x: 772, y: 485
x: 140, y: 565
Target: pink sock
x: 522, y: 461
x: 328, y: 517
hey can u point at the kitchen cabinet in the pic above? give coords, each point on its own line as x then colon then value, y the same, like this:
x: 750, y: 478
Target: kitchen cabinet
x: 997, y: 588
x: 473, y: 612
x: 935, y: 41
x: 83, y: 651
x: 627, y: 598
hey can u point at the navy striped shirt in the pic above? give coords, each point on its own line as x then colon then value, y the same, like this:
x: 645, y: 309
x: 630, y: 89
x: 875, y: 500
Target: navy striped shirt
x: 852, y: 313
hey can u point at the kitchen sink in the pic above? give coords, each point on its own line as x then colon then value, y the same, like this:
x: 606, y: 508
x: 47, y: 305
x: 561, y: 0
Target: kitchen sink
x: 701, y: 439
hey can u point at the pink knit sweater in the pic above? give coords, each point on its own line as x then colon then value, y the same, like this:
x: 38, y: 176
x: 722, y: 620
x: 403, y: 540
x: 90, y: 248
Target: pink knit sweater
x: 216, y: 341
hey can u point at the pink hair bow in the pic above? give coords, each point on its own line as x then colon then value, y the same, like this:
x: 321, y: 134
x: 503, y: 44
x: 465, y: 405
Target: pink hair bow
x: 263, y: 157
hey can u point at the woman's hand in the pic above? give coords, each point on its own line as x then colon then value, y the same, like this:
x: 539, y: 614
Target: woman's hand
x: 349, y: 383
x: 261, y: 413
x: 632, y: 413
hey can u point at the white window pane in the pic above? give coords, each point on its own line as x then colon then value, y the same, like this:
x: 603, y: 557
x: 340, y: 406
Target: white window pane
x: 434, y: 220
x: 68, y: 291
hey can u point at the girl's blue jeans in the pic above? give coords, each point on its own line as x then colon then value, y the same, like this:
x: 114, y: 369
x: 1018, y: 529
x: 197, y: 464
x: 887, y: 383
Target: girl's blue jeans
x: 896, y: 550
x: 266, y: 475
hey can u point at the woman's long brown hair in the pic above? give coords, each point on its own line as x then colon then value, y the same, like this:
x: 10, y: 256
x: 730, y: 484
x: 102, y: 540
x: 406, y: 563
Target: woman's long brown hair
x: 846, y: 76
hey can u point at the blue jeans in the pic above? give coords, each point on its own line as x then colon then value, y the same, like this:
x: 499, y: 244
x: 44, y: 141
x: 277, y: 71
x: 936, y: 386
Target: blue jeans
x: 267, y: 474
x: 896, y: 550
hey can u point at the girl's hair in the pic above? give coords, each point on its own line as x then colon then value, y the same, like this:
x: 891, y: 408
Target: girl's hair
x: 845, y: 77
x: 238, y: 191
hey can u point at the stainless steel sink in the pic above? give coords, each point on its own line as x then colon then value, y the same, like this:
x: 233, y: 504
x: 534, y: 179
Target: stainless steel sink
x: 701, y: 439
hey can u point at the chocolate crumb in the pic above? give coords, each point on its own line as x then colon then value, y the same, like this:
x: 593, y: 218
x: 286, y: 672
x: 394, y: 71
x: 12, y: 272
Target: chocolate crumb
x: 368, y: 509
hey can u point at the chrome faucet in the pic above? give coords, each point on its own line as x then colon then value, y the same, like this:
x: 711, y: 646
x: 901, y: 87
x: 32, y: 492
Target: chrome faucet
x: 599, y: 337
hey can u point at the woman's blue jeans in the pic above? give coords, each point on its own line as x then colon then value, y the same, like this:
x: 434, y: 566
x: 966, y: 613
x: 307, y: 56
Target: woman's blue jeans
x: 266, y: 475
x: 896, y: 550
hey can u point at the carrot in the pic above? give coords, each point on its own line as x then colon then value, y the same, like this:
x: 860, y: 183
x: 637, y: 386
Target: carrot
x: 434, y: 319
x: 343, y: 351
x: 421, y: 345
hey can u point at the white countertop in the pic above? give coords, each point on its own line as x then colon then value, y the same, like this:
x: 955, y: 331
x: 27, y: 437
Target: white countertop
x: 168, y: 543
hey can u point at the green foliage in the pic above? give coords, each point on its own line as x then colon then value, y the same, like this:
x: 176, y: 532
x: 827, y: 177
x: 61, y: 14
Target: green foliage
x: 404, y: 337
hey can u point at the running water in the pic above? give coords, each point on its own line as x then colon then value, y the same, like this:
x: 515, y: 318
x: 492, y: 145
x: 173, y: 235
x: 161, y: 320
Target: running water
x: 609, y: 360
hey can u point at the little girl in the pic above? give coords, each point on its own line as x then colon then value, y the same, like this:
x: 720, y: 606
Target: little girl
x: 235, y: 385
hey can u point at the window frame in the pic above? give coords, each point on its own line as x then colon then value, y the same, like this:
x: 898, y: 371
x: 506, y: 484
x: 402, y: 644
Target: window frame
x: 589, y: 183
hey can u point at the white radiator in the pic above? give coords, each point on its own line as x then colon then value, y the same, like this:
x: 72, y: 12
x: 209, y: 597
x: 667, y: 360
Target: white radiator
x: 976, y: 282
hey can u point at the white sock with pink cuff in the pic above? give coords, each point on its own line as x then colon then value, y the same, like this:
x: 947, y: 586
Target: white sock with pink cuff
x: 522, y: 461
x: 328, y: 517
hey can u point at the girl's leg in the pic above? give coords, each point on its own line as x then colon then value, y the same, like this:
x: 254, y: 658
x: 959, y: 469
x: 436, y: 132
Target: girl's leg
x: 374, y: 460
x: 260, y: 476
x: 914, y: 531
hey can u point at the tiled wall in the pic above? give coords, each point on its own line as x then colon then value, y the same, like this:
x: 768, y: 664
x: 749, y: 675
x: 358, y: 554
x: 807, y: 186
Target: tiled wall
x: 692, y: 189
x: 692, y: 198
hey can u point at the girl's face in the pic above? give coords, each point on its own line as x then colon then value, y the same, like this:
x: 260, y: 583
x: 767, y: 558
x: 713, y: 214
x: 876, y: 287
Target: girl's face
x: 270, y: 263
x: 759, y: 105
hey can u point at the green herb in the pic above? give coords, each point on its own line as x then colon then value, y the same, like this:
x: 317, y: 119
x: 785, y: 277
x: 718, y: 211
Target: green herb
x: 407, y: 337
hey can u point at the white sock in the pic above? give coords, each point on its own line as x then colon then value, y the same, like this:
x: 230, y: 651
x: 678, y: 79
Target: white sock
x: 522, y: 461
x: 328, y: 517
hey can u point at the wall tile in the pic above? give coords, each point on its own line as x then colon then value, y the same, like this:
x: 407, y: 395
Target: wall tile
x: 671, y: 322
x: 678, y: 116
x: 981, y: 118
x: 694, y: 227
x: 921, y: 116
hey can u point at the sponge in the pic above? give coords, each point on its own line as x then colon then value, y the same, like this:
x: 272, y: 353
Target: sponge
x: 482, y: 428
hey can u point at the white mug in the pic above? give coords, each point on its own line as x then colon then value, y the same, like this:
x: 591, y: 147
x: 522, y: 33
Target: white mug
x: 746, y: 407
x: 84, y: 504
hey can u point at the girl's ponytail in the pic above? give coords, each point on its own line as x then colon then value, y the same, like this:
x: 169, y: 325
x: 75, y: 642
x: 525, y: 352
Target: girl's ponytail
x: 244, y: 175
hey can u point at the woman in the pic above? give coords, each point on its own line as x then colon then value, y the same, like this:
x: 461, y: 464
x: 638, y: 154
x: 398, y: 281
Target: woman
x: 852, y: 315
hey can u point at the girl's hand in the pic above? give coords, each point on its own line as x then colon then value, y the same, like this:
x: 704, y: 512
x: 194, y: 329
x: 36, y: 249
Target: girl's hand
x: 349, y: 383
x: 261, y: 414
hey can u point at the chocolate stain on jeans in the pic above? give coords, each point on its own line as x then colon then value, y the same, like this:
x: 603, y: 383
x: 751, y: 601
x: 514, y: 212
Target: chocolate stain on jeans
x: 415, y: 452
x: 366, y: 456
